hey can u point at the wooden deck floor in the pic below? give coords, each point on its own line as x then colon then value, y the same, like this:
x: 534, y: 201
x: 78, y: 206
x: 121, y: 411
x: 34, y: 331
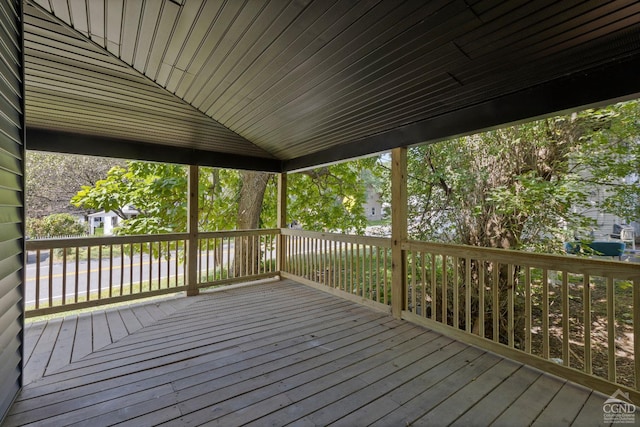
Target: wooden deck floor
x: 276, y: 354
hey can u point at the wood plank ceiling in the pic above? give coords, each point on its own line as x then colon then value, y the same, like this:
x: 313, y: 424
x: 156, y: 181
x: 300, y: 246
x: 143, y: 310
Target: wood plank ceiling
x: 284, y: 84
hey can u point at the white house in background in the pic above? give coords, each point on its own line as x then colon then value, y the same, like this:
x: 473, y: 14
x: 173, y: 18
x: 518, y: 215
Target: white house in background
x: 108, y: 220
x: 607, y: 225
x: 373, y: 205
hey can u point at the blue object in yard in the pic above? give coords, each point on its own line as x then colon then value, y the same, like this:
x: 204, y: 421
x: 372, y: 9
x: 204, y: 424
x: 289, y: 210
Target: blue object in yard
x: 611, y: 249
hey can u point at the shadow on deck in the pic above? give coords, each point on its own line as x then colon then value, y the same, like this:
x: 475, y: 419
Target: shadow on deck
x: 274, y: 354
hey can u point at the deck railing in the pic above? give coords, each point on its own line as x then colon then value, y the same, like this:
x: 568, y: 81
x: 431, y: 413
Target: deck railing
x: 256, y: 250
x: 357, y: 267
x: 66, y: 274
x: 575, y: 314
x: 571, y: 316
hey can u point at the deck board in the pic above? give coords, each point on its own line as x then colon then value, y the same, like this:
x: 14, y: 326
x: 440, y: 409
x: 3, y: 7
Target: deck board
x: 529, y: 405
x: 41, y: 355
x: 33, y: 331
x: 101, y: 334
x: 61, y: 354
x: 565, y: 406
x: 274, y: 354
x: 82, y: 345
x: 117, y: 328
x: 130, y: 320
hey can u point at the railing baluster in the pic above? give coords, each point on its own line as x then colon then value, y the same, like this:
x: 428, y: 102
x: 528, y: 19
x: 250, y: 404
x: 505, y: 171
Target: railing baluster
x: 248, y: 251
x: 300, y: 257
x: 76, y: 275
x: 228, y: 272
x: 184, y: 264
x: 527, y: 309
x: 377, y: 273
x: 326, y: 262
x: 121, y: 269
x: 423, y: 277
x: 141, y: 268
x: 510, y: 303
x: 359, y: 282
x: 636, y: 332
x: 411, y: 257
x: 318, y: 260
x: 566, y: 357
x: 306, y: 257
x: 434, y: 290
x: 495, y: 309
x: 37, y: 281
x: 456, y: 295
x: 218, y: 257
x: 351, y: 268
x: 611, y: 330
x: 340, y: 257
x: 310, y: 258
x: 258, y: 259
x: 150, y: 266
x: 445, y: 290
x: 131, y: 269
x: 99, y: 271
x: 176, y: 257
x: 332, y: 267
x: 587, y: 323
x: 207, y: 255
x: 50, y: 277
x: 371, y: 277
x: 481, y: 291
x: 160, y: 265
x: 467, y: 291
x: 545, y: 313
x: 296, y: 259
x: 64, y: 276
x: 386, y: 277
x: 88, y: 297
x: 110, y: 271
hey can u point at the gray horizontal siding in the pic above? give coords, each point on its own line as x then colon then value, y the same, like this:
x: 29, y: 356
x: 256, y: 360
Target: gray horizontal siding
x: 11, y: 203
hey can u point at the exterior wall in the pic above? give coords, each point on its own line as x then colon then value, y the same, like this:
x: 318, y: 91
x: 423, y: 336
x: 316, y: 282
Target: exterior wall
x: 605, y: 221
x: 109, y: 220
x: 11, y: 202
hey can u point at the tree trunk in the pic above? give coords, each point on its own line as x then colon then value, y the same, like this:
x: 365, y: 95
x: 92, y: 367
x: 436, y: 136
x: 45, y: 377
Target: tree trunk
x: 247, y: 249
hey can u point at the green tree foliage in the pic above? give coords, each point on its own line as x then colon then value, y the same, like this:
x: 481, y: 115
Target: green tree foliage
x: 329, y: 198
x: 524, y: 186
x: 54, y: 226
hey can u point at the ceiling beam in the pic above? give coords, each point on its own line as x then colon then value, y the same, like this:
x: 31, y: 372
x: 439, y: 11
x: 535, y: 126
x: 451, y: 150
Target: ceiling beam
x: 598, y: 86
x: 74, y: 143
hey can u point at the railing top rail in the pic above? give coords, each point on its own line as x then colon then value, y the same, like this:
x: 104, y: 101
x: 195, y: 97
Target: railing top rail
x: 101, y: 241
x: 234, y: 233
x: 74, y: 242
x: 595, y: 267
x: 383, y: 242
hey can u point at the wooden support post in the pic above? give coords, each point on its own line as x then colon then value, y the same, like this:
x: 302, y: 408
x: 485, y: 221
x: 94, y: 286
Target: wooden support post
x: 282, y: 221
x: 398, y: 229
x: 192, y: 230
